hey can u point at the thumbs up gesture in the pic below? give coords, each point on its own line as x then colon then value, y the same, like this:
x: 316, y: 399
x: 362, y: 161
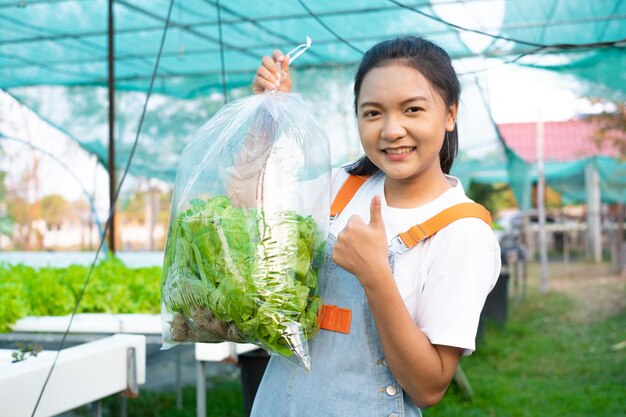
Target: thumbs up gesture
x: 362, y: 248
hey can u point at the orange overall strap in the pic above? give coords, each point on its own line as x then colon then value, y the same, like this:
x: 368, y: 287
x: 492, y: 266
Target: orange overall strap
x: 431, y: 226
x: 345, y: 194
x: 338, y: 319
x: 331, y: 317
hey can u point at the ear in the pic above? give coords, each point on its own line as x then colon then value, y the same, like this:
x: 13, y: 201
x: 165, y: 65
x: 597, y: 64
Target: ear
x: 451, y: 117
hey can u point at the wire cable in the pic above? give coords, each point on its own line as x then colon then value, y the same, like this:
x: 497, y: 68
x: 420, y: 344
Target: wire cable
x: 537, y: 46
x: 313, y: 15
x: 111, y: 211
x: 261, y: 27
x: 221, y: 40
x: 519, y: 41
x: 509, y: 61
x: 480, y: 32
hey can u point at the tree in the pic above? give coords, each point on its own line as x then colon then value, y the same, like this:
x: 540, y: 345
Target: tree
x: 23, y: 214
x: 54, y: 210
x: 493, y: 196
x: 611, y: 124
x: 6, y: 225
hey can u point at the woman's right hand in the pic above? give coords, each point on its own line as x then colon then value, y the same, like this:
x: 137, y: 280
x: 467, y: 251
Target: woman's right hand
x: 267, y: 75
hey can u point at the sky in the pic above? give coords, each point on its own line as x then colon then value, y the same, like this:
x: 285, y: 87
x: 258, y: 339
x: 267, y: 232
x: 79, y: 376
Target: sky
x: 516, y: 93
x: 526, y: 94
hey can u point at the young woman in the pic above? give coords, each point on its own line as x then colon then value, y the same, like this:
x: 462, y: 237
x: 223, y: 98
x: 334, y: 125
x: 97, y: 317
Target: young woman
x: 414, y: 312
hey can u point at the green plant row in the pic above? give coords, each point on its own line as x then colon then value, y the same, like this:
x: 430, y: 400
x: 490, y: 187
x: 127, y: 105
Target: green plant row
x: 113, y: 288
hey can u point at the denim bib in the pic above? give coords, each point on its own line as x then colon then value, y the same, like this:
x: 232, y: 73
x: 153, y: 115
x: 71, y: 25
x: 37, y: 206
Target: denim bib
x: 349, y: 374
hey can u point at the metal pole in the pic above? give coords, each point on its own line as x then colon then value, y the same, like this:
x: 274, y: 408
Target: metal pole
x: 594, y: 227
x: 566, y: 248
x: 123, y: 406
x: 200, y: 390
x: 96, y: 409
x: 620, y: 261
x: 94, y: 213
x: 541, y: 209
x: 179, y: 386
x: 111, y: 128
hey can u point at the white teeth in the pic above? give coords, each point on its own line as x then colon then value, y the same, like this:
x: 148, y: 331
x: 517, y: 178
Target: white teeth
x: 398, y: 150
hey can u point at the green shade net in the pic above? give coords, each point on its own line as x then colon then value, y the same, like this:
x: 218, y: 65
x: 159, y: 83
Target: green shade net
x: 601, y: 68
x: 574, y: 22
x: 66, y: 43
x: 54, y: 59
x: 568, y: 179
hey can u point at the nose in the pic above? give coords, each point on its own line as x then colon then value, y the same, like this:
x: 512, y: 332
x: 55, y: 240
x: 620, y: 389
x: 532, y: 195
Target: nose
x: 393, y: 129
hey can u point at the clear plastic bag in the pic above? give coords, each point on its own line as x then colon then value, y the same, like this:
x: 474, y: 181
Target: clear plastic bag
x: 248, y: 228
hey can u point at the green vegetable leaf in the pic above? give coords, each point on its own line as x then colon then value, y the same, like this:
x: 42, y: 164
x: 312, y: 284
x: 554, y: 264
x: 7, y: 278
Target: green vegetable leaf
x: 228, y: 266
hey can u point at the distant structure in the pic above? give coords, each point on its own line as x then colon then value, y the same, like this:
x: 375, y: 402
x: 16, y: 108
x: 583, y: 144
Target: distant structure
x: 580, y: 170
x: 564, y: 141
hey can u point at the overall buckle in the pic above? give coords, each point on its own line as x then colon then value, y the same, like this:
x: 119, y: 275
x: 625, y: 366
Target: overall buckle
x: 397, y: 246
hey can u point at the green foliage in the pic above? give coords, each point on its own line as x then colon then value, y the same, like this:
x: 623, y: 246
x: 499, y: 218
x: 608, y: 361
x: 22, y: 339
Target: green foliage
x: 25, y: 351
x: 13, y: 303
x: 238, y: 267
x: 611, y: 125
x: 54, y: 209
x: 113, y: 288
x: 544, y: 363
x: 224, y: 399
x: 493, y: 197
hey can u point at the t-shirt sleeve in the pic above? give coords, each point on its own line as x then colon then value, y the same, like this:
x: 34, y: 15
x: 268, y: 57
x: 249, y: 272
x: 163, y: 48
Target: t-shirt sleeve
x: 461, y: 276
x: 339, y: 175
x: 309, y: 194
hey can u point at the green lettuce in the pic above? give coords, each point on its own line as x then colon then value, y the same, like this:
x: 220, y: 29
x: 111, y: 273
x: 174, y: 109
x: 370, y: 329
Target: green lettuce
x: 237, y: 274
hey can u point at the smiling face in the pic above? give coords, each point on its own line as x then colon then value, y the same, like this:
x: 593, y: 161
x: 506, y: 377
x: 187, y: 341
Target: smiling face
x: 402, y: 123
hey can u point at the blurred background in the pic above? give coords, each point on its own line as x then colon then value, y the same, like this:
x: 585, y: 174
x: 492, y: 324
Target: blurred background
x: 88, y: 97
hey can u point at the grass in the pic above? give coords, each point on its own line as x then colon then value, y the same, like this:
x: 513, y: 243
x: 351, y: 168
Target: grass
x: 558, y: 355
x: 224, y: 399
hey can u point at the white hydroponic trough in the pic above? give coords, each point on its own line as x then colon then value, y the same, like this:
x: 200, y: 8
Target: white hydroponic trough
x: 92, y: 323
x: 83, y: 374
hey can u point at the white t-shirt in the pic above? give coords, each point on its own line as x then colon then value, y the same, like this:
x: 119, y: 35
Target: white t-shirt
x: 443, y: 280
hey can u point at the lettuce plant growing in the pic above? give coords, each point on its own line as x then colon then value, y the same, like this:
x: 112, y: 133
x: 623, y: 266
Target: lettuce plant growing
x: 50, y: 291
x: 240, y: 275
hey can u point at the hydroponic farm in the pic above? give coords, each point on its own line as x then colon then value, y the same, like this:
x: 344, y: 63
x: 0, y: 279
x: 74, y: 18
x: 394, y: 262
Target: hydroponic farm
x: 311, y: 208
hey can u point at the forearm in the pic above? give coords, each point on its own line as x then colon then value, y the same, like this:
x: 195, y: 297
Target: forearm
x: 417, y: 365
x: 246, y: 172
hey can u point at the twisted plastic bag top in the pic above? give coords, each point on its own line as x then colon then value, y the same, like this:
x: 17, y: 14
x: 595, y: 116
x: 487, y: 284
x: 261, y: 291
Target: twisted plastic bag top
x: 248, y: 228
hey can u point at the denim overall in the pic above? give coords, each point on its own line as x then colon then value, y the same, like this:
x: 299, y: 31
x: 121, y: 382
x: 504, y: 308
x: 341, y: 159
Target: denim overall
x: 349, y: 374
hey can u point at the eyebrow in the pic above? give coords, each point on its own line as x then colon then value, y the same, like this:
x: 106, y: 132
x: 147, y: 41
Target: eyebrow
x: 403, y: 102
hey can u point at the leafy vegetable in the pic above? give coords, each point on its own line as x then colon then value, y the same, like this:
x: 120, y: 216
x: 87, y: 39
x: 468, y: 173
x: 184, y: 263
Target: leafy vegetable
x: 237, y: 274
x: 113, y: 288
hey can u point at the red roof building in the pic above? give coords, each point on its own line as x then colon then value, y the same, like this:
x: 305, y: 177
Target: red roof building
x: 563, y: 141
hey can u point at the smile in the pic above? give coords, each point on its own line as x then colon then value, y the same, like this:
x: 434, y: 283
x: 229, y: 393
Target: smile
x: 399, y: 151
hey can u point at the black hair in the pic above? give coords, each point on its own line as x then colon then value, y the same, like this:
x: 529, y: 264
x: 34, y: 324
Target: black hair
x: 434, y: 64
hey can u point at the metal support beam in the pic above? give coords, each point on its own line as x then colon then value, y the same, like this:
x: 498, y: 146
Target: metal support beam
x: 111, y: 84
x: 594, y: 225
x: 179, y: 385
x: 200, y: 390
x: 541, y: 207
x: 132, y: 385
x: 96, y: 409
